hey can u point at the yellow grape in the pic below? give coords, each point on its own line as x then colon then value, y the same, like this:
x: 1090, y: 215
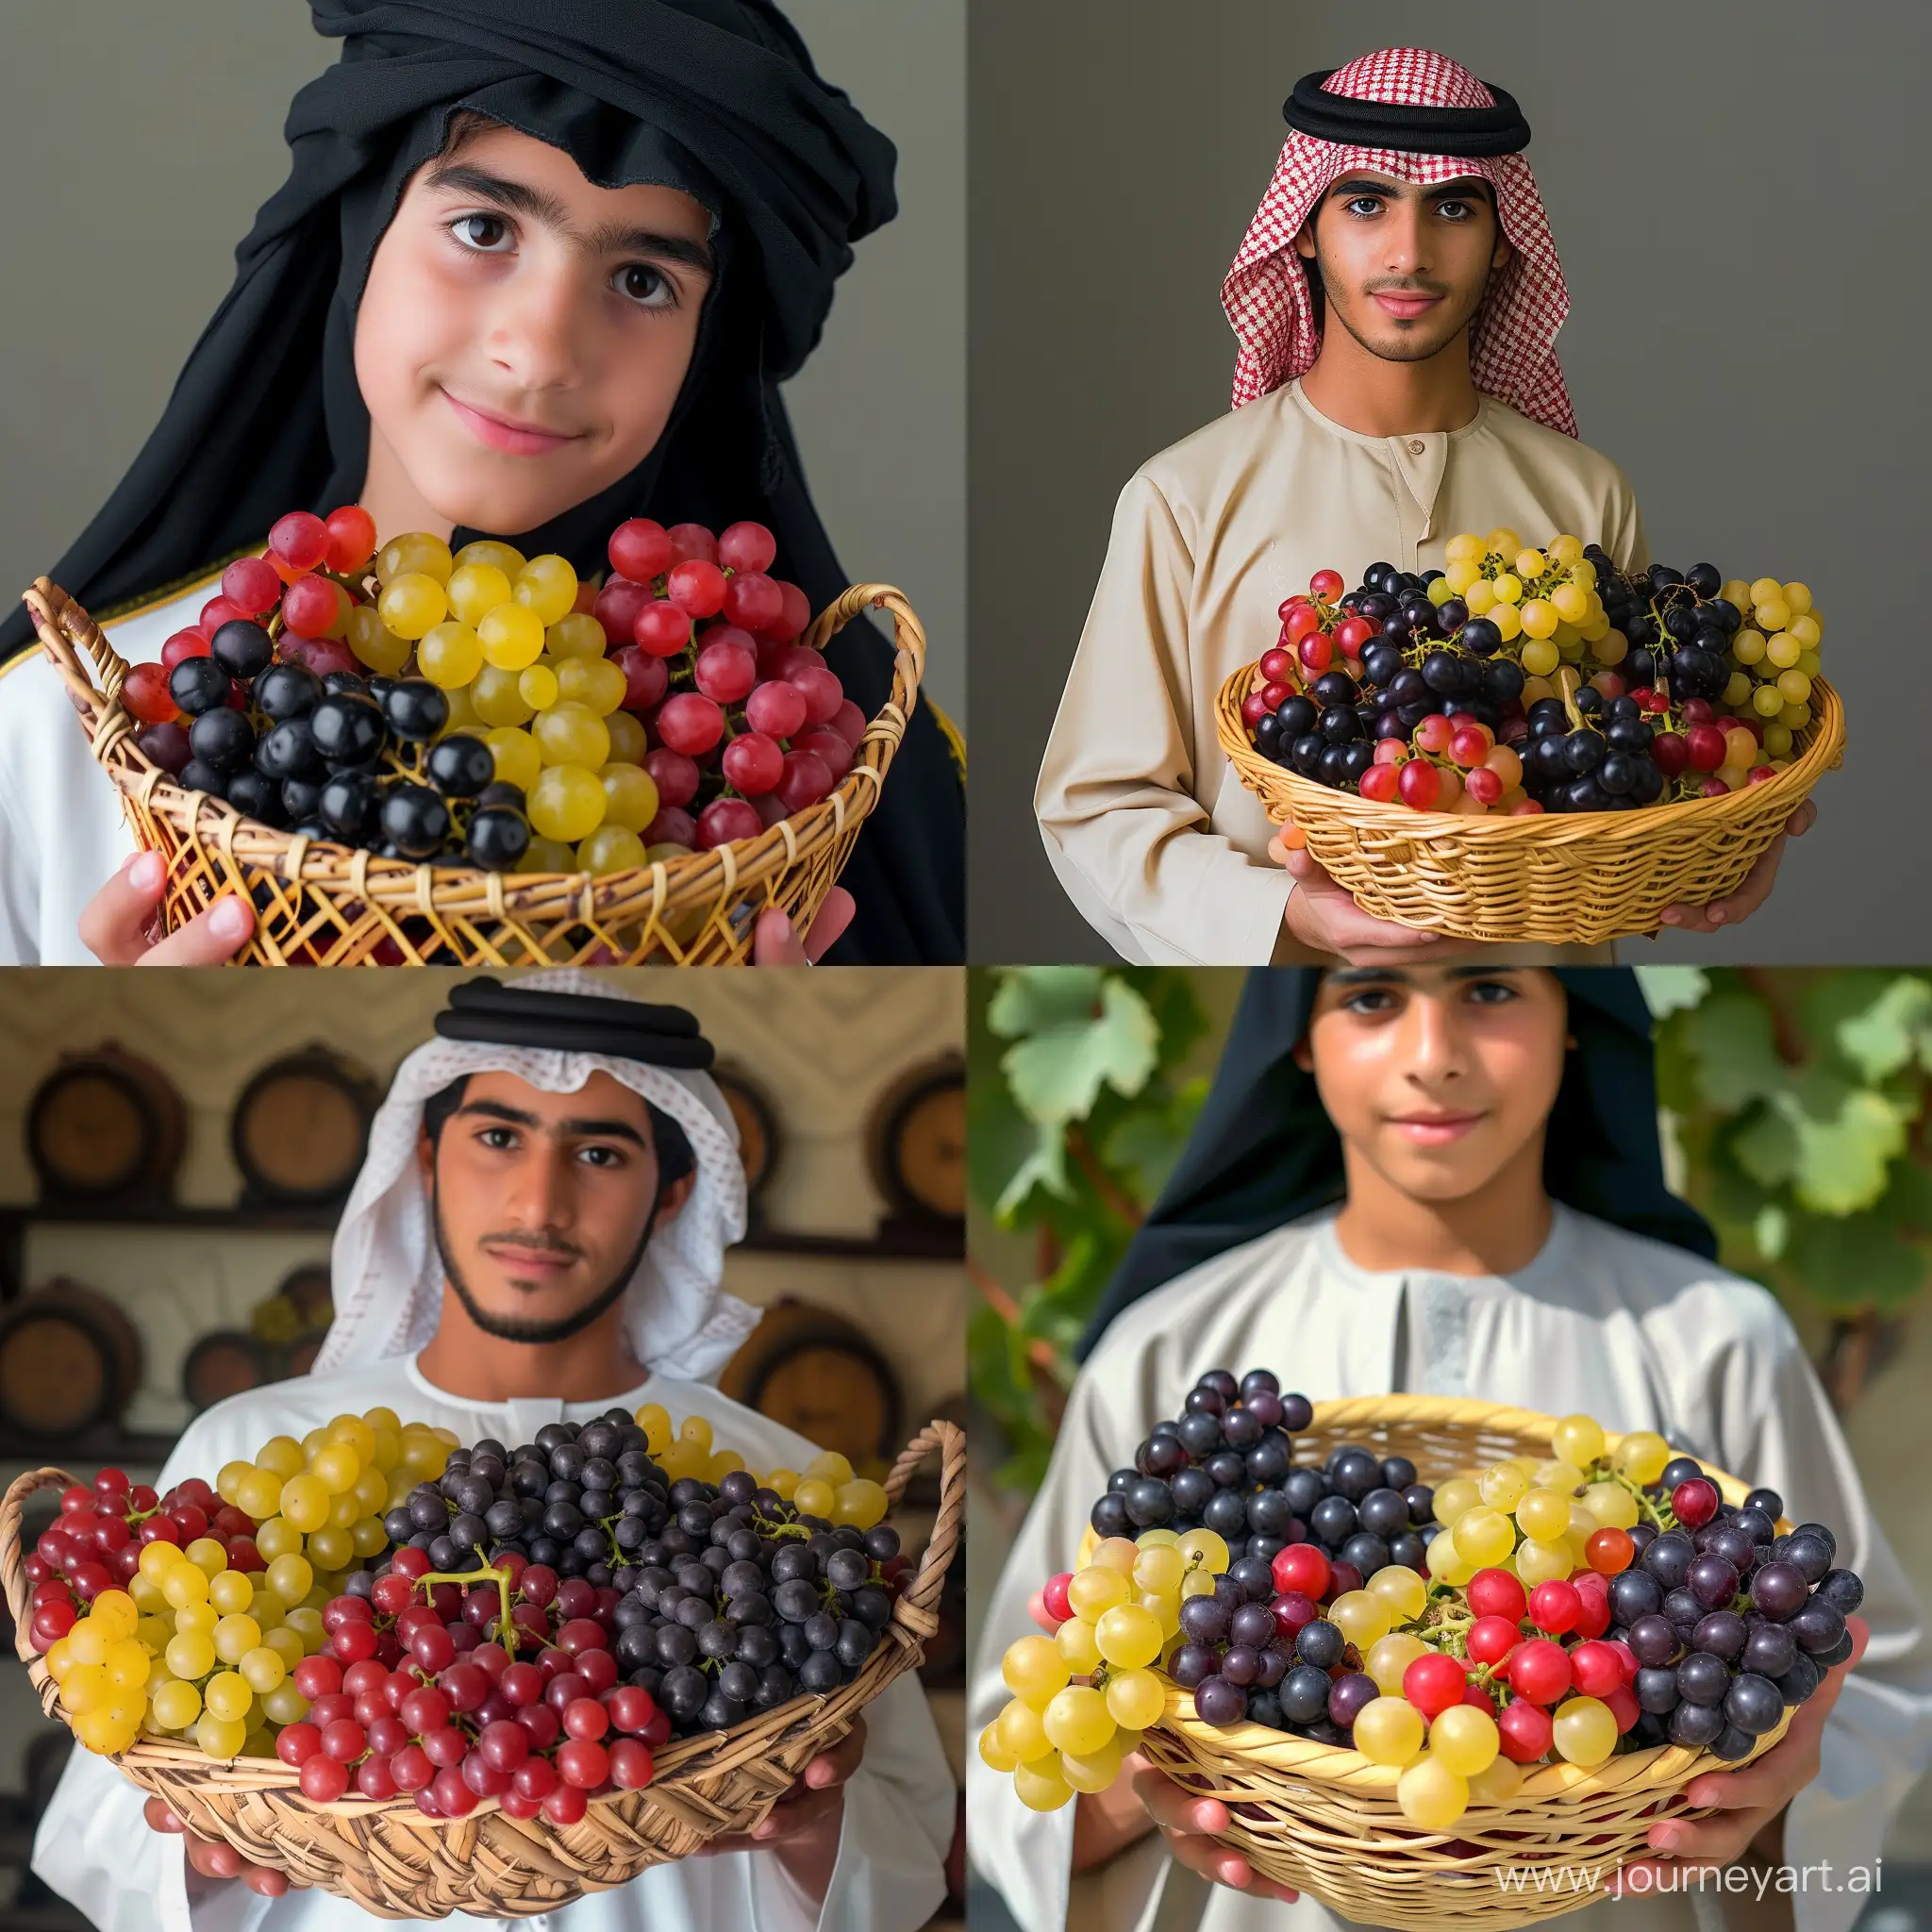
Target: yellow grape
x: 1464, y: 1739
x: 1389, y: 1658
x: 375, y: 646
x: 1460, y: 576
x: 1034, y: 1670
x: 226, y: 1695
x: 113, y: 1614
x: 1095, y: 1591
x: 257, y: 1493
x: 1541, y: 658
x: 1479, y: 597
x: 1642, y: 1457
x: 1439, y: 592
x: 1431, y: 1795
x: 1134, y: 1699
x: 1557, y: 1475
x: 176, y: 1705
x: 1483, y: 1535
x: 567, y: 804
x: 1114, y: 1552
x: 233, y: 1590
x: 1611, y: 1504
x: 185, y: 1583
x: 862, y: 1503
x: 1361, y: 1617
x: 1579, y: 1440
x: 476, y: 588
x: 1075, y: 1642
x: 783, y: 1483
x: 1042, y: 1788
x: 286, y: 1644
x: 1129, y: 1636
x: 1204, y: 1546
x: 1160, y: 1568
x: 332, y: 1549
x: 1197, y: 1583
x: 306, y: 1503
x: 993, y: 1752
x: 1455, y: 1496
x: 228, y: 1476
x: 127, y: 1663
x: 1507, y: 620
x: 417, y: 553
x: 1502, y: 541
x: 575, y: 634
x: 1093, y: 1771
x: 593, y: 682
x: 537, y: 686
x: 235, y: 1637
x: 629, y: 742
x: 449, y: 657
x: 220, y: 1738
x: 1464, y: 548
x: 1497, y: 1783
x: 496, y: 697
x: 573, y: 734
x: 1570, y: 602
x: 547, y: 586
x: 1539, y: 1562
x: 630, y: 796
x: 1402, y: 1589
x: 1078, y: 1720
x: 157, y: 1558
x: 1585, y: 1731
x: 336, y: 1467
x: 1388, y: 1730
x: 412, y: 605
x: 1544, y: 1513
x: 518, y: 760
x: 1503, y: 1485
x: 261, y: 1669
x: 1445, y: 1564
x: 511, y: 637
x: 278, y: 1537
x: 506, y: 558
x: 610, y: 849
x: 202, y: 1616
x: 1530, y: 563
x: 1507, y: 588
x: 85, y: 1688
x: 828, y: 1466
x: 88, y: 1642
x: 1020, y: 1732
x: 655, y: 1420
x: 1539, y: 619
x: 192, y: 1654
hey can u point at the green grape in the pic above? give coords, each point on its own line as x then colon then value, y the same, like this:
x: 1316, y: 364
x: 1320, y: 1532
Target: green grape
x: 418, y: 553
x: 504, y: 556
x: 450, y: 655
x: 463, y: 714
x: 537, y: 686
x: 548, y: 855
x: 569, y: 734
x: 518, y: 760
x: 575, y: 634
x: 632, y: 794
x: 628, y: 743
x: 548, y: 586
x: 567, y: 804
x: 374, y: 645
x: 512, y: 637
x: 412, y: 604
x: 596, y: 682
x: 611, y: 848
x: 476, y: 590
x: 496, y: 698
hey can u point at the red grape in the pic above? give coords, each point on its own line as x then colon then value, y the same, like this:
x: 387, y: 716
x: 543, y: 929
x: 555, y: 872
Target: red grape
x: 375, y: 1780
x: 300, y: 539
x: 483, y: 1777
x: 410, y: 1563
x: 446, y: 1746
x: 774, y: 707
x: 521, y: 1684
x: 630, y: 1764
x: 673, y: 825
x: 1706, y: 745
x: 725, y: 670
x: 1496, y: 1594
x: 536, y: 1777
x: 583, y: 1762
x: 1433, y: 1683
x: 1381, y: 783
x: 584, y: 1717
x: 567, y: 1803
x: 1555, y: 1607
x: 1326, y: 585
x: 451, y: 1793
x: 388, y: 1734
x: 794, y: 615
x: 514, y: 1805
x: 1294, y: 1609
x: 824, y: 742
x: 696, y: 588
x: 807, y: 778
x: 1316, y: 652
x: 1302, y: 1567
x: 676, y: 779
x: 640, y: 550
x: 598, y: 1669
x: 822, y: 690
x: 690, y: 724
x: 1670, y: 753
x: 1419, y: 784
x: 298, y: 1742
x: 344, y: 1740
x: 1596, y: 1667
x: 1623, y: 1706
x: 1273, y: 696
x: 632, y: 1707
x: 747, y: 547
x: 1492, y: 1639
x: 1484, y: 786
x: 252, y: 584
x: 1694, y: 1501
x: 662, y: 628
x: 1527, y: 1731
x: 465, y: 1686
x: 616, y: 609
x: 389, y: 1594
x: 323, y: 1779
x: 692, y: 540
x: 563, y: 1690
x: 426, y: 1709
x: 310, y: 607
x: 726, y: 819
x: 145, y: 693
x: 51, y: 1623
x: 754, y: 763
x: 753, y: 600
x: 1539, y: 1671
x: 1351, y: 633
x: 411, y: 1768
x: 351, y: 539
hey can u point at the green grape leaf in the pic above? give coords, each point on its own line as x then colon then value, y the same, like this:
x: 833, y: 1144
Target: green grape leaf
x: 1736, y: 1049
x: 1853, y: 1262
x: 1042, y: 999
x: 1058, y: 1073
x: 1846, y: 1139
x: 1766, y: 1148
x: 1907, y: 1202
x: 1045, y: 1167
x: 1889, y: 1033
x: 1669, y: 989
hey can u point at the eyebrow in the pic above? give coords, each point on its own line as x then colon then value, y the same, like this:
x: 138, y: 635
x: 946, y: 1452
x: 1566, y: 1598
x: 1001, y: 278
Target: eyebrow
x: 1469, y: 188
x: 517, y: 1117
x: 1357, y: 977
x: 609, y: 238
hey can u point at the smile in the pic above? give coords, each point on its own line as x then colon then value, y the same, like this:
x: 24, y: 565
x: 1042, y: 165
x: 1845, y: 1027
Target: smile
x: 1434, y: 1129
x: 499, y: 432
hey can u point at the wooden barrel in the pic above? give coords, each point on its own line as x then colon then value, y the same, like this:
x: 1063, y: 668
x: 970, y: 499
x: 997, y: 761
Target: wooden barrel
x: 103, y: 1125
x: 69, y: 1359
x: 916, y: 1146
x: 224, y: 1362
x: 300, y: 1128
x: 757, y: 1131
x: 300, y: 1357
x: 812, y: 1369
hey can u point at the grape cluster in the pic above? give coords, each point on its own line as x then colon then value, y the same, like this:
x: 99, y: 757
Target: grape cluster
x: 1446, y: 689
x: 488, y: 710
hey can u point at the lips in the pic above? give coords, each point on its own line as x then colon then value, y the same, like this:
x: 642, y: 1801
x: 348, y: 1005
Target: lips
x: 546, y: 1260
x: 1405, y: 308
x: 502, y: 433
x: 1436, y: 1129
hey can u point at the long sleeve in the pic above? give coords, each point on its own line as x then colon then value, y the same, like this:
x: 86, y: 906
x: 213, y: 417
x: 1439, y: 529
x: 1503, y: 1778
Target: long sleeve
x: 1123, y: 824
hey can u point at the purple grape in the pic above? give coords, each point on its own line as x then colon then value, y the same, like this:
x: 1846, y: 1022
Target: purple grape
x: 1703, y: 1678
x: 1204, y: 1620
x: 1695, y: 1725
x: 1806, y: 1553
x: 1305, y: 1693
x: 1721, y: 1633
x: 1842, y: 1591
x: 1320, y: 1643
x: 1349, y: 1696
x: 1218, y: 1702
x: 1733, y: 1545
x: 1263, y: 1382
x: 1754, y: 1705
x: 1240, y: 1665
x: 1653, y: 1640
x: 1682, y: 1611
x: 1818, y: 1626
x: 1712, y: 1581
x: 1193, y: 1664
x: 1297, y: 1412
x: 1635, y: 1595
x: 1275, y: 1665
x: 1779, y: 1589
x: 1657, y: 1691
x: 1253, y: 1625
x: 1770, y: 1651
x: 1669, y: 1558
x: 1800, y: 1681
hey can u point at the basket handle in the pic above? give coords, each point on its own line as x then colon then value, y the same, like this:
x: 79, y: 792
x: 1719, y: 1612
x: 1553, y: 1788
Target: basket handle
x: 13, y: 1558
x: 949, y: 1439
x: 62, y: 625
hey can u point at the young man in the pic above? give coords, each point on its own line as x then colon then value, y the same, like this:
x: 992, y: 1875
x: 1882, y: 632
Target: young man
x: 1447, y: 1180
x: 535, y: 271
x: 1397, y: 301
x: 537, y: 1235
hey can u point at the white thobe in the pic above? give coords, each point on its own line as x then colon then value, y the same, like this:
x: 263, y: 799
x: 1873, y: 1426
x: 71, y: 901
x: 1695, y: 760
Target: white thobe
x: 1155, y: 839
x: 1638, y: 1334
x: 63, y: 832
x: 94, y: 1849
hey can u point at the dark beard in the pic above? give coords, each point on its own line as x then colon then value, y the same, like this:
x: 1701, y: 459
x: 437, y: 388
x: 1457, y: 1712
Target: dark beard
x: 523, y: 1328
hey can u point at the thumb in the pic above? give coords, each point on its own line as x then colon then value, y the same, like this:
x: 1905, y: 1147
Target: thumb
x: 117, y: 923
x: 209, y: 939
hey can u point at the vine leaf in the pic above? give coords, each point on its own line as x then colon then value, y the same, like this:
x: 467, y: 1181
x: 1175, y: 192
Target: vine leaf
x: 1892, y: 1033
x: 1736, y: 1046
x: 1058, y: 1070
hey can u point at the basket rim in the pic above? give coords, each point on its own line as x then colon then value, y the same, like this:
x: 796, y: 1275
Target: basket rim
x: 1824, y: 750
x: 70, y: 637
x: 914, y: 1620
x: 1662, y: 1767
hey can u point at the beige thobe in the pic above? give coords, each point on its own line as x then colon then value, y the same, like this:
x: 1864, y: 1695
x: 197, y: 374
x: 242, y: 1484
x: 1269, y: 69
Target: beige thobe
x: 1155, y: 839
x: 1639, y: 1334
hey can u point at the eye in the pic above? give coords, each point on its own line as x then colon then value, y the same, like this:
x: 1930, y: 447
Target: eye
x: 1491, y: 992
x: 1362, y: 206
x: 483, y: 234
x: 648, y: 287
x: 499, y: 1140
x: 600, y: 1156
x: 1456, y: 211
x: 1370, y: 1001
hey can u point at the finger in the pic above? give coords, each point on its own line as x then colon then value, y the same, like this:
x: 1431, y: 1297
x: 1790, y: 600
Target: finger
x: 790, y: 1816
x: 1802, y: 819
x: 775, y: 943
x: 1709, y: 1840
x: 835, y: 915
x: 214, y: 1859
x: 117, y: 923
x: 209, y: 939
x: 1224, y: 1865
x: 835, y: 1766
x: 1175, y: 1809
x: 1752, y: 891
x: 258, y: 1878
x: 160, y: 1817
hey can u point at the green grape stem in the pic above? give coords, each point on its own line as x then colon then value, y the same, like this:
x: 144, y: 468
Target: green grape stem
x: 506, y: 1631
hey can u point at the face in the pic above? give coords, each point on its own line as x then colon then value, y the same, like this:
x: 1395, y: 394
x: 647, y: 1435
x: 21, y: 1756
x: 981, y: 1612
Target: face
x: 543, y: 1201
x: 1438, y: 1077
x: 523, y: 334
x: 1405, y: 268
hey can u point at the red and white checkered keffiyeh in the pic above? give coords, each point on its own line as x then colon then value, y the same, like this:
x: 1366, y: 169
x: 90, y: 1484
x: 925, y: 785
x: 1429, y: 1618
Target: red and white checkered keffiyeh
x: 1512, y: 341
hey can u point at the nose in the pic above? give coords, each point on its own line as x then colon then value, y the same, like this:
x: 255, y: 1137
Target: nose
x: 1433, y: 1041
x: 1406, y: 237
x: 537, y: 1195
x: 533, y: 332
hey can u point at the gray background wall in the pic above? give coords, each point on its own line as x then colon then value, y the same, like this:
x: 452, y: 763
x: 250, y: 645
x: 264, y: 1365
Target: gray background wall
x: 1774, y: 415
x: 138, y: 141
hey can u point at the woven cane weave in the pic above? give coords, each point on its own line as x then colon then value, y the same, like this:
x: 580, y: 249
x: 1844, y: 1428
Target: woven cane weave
x: 1324, y: 1819
x: 396, y: 1863
x: 321, y: 904
x: 1552, y: 878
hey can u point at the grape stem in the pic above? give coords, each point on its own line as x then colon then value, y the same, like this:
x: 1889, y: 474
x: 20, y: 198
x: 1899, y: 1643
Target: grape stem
x: 506, y: 1631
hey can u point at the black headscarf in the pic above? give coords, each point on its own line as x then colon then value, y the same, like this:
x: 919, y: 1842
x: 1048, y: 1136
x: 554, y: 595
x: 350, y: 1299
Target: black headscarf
x: 1264, y: 1152
x: 716, y: 97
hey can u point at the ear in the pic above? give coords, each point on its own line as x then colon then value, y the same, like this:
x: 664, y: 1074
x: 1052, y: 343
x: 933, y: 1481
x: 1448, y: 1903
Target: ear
x: 1504, y: 252
x: 1304, y: 239
x: 1304, y: 1054
x: 425, y: 1158
x: 674, y: 1196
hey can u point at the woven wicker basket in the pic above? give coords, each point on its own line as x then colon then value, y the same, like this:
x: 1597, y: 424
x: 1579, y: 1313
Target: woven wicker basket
x: 1558, y: 879
x: 1324, y: 1819
x: 396, y: 1863
x: 326, y: 905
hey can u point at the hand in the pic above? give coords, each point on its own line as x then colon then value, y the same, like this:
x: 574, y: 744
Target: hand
x: 1190, y: 1825
x: 214, y: 1859
x: 775, y: 943
x: 1750, y: 895
x: 1321, y: 914
x: 1748, y: 1801
x: 807, y: 1819
x: 120, y: 926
